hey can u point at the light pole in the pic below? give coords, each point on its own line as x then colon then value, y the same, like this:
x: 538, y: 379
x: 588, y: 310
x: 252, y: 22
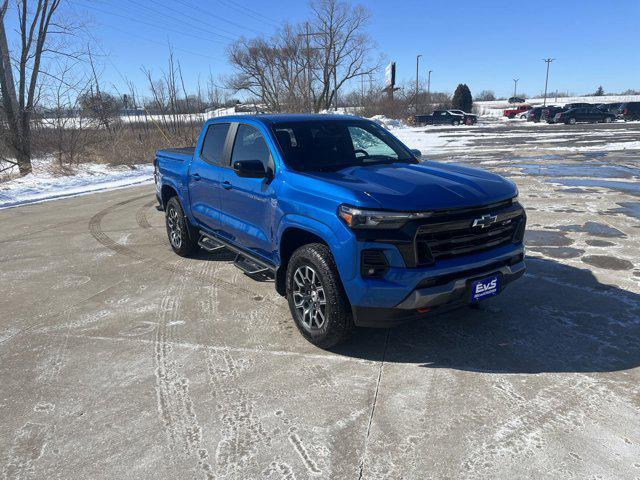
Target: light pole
x: 515, y: 86
x: 546, y: 82
x: 429, y: 83
x: 417, y: 66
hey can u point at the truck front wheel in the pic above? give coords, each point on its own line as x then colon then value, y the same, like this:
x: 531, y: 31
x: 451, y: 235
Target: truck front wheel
x: 181, y: 239
x: 316, y: 298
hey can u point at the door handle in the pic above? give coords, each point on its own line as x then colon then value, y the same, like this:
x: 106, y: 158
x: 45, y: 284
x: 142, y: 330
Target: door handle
x: 196, y: 177
x: 226, y: 185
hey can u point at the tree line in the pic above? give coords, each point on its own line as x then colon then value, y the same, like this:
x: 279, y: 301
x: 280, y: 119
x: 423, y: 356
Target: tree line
x: 55, y: 104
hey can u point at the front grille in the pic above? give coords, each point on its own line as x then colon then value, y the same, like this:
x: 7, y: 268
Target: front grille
x: 456, y: 235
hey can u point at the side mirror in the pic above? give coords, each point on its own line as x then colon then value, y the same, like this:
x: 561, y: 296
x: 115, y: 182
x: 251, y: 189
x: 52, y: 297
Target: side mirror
x: 416, y: 153
x: 250, y: 169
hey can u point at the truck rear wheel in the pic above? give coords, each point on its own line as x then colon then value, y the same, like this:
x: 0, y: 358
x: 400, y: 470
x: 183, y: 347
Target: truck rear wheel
x: 181, y: 235
x: 317, y: 301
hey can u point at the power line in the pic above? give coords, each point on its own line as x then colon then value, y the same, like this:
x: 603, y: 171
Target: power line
x: 248, y: 11
x: 190, y: 52
x: 154, y: 25
x: 193, y: 7
x: 189, y: 24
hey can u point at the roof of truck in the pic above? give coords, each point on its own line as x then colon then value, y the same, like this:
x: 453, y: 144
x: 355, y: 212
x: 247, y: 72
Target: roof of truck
x: 273, y: 119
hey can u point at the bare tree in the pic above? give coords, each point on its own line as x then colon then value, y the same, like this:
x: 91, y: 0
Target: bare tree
x: 305, y: 65
x: 343, y: 45
x: 19, y: 97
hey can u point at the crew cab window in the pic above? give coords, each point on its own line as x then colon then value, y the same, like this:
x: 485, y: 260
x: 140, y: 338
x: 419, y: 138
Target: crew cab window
x: 368, y: 144
x: 213, y: 144
x: 250, y: 145
x: 331, y: 145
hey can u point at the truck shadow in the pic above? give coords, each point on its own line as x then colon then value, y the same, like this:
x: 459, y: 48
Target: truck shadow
x: 555, y: 319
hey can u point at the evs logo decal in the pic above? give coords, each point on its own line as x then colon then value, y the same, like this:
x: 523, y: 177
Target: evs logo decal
x: 485, y: 288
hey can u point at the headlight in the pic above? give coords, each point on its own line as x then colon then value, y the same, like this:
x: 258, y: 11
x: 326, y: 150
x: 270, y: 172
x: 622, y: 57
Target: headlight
x: 361, y: 218
x: 515, y: 199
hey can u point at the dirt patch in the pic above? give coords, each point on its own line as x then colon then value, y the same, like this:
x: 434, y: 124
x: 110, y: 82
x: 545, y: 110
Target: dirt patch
x: 547, y: 238
x: 596, y: 229
x: 607, y: 262
x: 599, y: 243
x: 558, y: 252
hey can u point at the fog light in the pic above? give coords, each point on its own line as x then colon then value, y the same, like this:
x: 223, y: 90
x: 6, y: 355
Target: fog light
x: 374, y: 263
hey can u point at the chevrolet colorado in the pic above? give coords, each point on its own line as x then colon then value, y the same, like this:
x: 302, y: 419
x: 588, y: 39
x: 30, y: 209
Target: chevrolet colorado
x: 353, y: 227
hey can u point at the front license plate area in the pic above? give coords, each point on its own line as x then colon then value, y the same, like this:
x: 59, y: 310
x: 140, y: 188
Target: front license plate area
x: 484, y: 288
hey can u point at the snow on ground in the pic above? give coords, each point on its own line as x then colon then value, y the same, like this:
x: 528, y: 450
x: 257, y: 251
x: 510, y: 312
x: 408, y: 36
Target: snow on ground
x: 487, y: 138
x: 42, y: 184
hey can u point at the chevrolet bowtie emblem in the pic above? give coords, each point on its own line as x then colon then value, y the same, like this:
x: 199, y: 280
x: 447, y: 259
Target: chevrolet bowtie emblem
x: 485, y: 221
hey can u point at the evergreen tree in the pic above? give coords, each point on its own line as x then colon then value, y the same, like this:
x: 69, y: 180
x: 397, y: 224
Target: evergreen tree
x: 599, y: 91
x: 462, y: 99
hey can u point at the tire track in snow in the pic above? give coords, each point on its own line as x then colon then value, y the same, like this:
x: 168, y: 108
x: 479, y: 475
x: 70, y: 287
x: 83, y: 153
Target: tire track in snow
x: 28, y: 446
x: 304, y: 455
x: 95, y: 228
x: 175, y: 406
x: 242, y: 431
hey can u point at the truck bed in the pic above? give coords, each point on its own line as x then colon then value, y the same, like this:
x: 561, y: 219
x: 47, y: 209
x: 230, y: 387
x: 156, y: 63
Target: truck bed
x: 181, y: 154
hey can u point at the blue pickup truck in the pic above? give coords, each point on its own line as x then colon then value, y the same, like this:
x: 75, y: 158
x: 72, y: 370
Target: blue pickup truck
x: 355, y: 229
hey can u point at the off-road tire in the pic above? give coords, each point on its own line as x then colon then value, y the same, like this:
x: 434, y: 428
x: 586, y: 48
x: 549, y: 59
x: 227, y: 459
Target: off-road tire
x: 188, y: 240
x: 338, y: 324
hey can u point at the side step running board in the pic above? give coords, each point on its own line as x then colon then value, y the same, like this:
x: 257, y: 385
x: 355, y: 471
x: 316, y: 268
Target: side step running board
x: 209, y: 244
x: 248, y: 266
x: 245, y: 261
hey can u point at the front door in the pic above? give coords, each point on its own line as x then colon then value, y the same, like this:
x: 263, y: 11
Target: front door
x: 248, y: 204
x: 204, y: 176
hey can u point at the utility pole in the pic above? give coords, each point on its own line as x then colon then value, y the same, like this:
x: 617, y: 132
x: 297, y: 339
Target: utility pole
x: 335, y: 78
x: 417, y: 84
x: 307, y: 34
x: 429, y: 84
x: 546, y: 82
x: 515, y: 86
x: 309, y: 74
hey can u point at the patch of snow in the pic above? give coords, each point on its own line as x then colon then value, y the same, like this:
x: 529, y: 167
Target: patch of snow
x: 42, y: 185
x: 388, y: 123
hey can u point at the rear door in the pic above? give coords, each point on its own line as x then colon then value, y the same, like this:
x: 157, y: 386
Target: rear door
x: 204, y: 176
x: 248, y: 204
x: 594, y: 114
x: 580, y: 114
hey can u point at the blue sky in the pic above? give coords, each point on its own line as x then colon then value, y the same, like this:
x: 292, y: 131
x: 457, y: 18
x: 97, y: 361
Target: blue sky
x: 482, y: 43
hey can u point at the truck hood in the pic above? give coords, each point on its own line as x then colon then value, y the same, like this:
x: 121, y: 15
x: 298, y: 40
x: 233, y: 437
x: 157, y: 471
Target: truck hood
x: 424, y: 186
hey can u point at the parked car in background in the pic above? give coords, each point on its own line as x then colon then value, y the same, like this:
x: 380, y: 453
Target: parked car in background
x: 468, y: 118
x: 569, y: 106
x: 516, y: 100
x: 610, y: 107
x: 439, y: 117
x: 548, y: 113
x: 629, y: 111
x: 513, y: 110
x: 584, y: 114
x: 534, y: 114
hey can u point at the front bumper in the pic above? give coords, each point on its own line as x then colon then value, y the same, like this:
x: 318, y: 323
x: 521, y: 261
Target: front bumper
x: 421, y: 302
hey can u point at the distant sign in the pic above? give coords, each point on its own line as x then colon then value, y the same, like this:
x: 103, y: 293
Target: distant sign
x: 390, y: 75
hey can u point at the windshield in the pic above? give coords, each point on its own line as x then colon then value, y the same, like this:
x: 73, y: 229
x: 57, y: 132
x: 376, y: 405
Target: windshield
x: 333, y: 145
